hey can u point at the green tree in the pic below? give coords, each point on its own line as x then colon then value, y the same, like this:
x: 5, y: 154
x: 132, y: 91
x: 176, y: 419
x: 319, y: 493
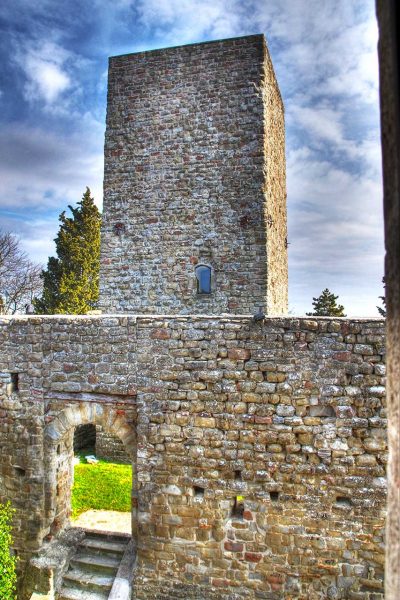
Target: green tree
x: 71, y: 281
x: 325, y: 306
x: 382, y: 309
x: 8, y: 577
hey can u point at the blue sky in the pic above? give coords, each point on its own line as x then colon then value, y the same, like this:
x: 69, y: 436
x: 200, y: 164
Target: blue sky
x: 53, y: 83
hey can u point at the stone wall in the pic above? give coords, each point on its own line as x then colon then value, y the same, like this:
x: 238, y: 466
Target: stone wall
x: 259, y: 449
x: 194, y: 174
x: 286, y: 418
x: 71, y: 371
x: 110, y: 447
x: 97, y: 440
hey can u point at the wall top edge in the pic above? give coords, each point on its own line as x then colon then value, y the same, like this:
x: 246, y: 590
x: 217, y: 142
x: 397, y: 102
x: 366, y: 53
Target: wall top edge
x: 196, y: 317
x: 252, y: 37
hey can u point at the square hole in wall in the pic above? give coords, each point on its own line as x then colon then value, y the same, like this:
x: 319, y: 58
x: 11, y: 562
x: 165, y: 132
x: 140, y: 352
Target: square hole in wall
x: 343, y: 501
x: 13, y: 386
x: 198, y: 491
x: 274, y: 496
x: 325, y: 411
x: 238, y: 508
x: 238, y: 475
x: 14, y: 382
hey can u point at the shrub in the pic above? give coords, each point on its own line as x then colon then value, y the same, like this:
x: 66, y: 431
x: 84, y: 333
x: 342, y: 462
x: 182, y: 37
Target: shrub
x: 8, y: 577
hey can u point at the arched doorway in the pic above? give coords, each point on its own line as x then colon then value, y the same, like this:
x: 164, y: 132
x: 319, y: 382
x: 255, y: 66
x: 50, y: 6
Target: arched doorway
x: 59, y: 454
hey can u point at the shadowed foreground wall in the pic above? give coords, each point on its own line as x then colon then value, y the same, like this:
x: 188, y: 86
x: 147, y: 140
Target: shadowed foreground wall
x: 389, y: 69
x: 259, y: 449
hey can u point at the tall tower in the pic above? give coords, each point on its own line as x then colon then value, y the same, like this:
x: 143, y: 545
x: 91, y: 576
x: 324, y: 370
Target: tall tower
x: 194, y: 186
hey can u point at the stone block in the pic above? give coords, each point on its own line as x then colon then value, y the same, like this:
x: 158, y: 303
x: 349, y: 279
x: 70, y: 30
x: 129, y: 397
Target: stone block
x: 204, y: 422
x: 233, y: 546
x: 239, y: 354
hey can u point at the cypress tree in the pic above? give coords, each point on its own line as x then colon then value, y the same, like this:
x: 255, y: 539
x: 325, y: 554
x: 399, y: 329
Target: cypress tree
x: 326, y: 306
x: 71, y: 281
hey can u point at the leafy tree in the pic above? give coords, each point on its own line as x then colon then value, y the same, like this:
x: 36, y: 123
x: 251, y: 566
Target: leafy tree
x: 19, y: 277
x: 382, y: 309
x: 8, y: 577
x: 71, y: 281
x: 325, y: 306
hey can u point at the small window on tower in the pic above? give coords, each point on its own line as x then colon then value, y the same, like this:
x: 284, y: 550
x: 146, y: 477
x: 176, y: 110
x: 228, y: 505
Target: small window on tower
x: 203, y: 276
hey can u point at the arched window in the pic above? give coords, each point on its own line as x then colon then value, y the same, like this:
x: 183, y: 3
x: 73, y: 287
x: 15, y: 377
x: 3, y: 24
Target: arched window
x: 203, y: 277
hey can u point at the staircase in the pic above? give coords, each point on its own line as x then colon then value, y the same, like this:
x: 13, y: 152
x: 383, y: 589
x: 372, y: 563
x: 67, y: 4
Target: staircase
x: 93, y: 568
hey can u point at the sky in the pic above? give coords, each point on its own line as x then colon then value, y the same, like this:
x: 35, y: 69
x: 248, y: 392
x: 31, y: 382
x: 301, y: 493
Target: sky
x: 53, y: 85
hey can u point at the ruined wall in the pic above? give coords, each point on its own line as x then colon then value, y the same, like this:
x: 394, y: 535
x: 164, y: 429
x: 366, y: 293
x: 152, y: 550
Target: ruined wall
x: 97, y: 440
x: 110, y: 447
x: 71, y: 371
x: 194, y: 174
x: 259, y: 448
x: 287, y: 417
x: 21, y: 429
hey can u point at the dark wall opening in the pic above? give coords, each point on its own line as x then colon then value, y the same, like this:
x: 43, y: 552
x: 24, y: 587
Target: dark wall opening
x: 85, y: 438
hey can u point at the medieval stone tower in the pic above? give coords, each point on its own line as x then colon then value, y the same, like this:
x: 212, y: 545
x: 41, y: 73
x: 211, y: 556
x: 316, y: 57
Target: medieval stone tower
x: 194, y: 186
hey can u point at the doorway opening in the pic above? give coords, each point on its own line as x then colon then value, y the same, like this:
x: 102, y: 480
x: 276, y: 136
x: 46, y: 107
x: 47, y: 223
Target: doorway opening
x: 90, y: 465
x: 102, y: 481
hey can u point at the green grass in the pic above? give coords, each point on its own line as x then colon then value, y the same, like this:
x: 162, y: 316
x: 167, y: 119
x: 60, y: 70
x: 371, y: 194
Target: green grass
x: 103, y: 486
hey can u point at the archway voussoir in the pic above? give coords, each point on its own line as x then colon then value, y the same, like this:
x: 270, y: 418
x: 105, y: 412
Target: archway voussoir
x: 55, y: 431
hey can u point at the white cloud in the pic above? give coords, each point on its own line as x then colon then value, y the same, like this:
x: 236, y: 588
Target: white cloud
x: 47, y: 80
x: 38, y: 240
x: 327, y: 129
x: 335, y: 234
x: 40, y: 175
x: 185, y: 21
x: 324, y: 48
x: 356, y: 73
x: 36, y: 234
x: 42, y: 169
x: 320, y: 122
x: 45, y: 67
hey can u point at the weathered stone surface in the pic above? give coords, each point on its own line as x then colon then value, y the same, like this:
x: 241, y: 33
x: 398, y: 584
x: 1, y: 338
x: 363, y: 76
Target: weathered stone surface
x: 229, y: 483
x: 194, y: 174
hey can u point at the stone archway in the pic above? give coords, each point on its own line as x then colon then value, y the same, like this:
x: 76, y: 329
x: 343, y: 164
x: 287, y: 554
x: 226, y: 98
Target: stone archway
x: 58, y: 454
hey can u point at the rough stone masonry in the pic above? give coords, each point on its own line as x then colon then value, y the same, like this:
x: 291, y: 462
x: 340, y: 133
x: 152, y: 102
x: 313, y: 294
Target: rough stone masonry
x: 194, y: 174
x: 258, y: 445
x: 258, y: 449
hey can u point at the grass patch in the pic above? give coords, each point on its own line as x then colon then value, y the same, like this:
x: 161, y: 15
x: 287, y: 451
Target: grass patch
x: 103, y: 486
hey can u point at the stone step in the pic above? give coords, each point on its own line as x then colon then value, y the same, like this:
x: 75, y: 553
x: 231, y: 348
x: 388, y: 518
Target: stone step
x: 104, y: 546
x: 109, y: 536
x: 87, y: 580
x: 92, y: 570
x: 96, y: 562
x: 77, y: 594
